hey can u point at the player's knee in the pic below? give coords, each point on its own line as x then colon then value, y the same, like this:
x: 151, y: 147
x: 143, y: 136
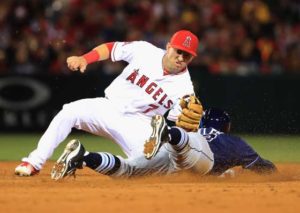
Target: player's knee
x: 69, y: 112
x: 202, y: 167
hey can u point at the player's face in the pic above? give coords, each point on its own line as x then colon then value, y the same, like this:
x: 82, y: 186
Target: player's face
x: 176, y: 60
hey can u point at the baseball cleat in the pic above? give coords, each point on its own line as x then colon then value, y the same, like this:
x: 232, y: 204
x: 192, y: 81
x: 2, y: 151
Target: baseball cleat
x: 25, y: 169
x: 158, y: 137
x: 69, y: 161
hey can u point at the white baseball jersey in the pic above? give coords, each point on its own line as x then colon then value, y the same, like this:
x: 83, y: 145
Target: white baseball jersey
x: 142, y: 87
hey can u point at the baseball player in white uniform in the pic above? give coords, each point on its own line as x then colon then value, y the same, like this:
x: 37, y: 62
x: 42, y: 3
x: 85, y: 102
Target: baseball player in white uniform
x: 151, y: 84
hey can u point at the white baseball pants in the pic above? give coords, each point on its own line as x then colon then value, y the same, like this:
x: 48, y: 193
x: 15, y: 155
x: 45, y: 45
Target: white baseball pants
x: 98, y: 116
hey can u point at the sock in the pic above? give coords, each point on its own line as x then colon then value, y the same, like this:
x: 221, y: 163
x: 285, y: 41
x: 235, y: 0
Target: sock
x: 102, y: 162
x: 179, y: 138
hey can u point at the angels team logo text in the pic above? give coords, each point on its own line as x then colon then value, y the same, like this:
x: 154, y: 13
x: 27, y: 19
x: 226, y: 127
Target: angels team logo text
x: 152, y: 89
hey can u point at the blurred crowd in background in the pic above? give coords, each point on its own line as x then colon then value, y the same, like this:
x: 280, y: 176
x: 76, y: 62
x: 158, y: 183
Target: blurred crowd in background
x: 241, y: 37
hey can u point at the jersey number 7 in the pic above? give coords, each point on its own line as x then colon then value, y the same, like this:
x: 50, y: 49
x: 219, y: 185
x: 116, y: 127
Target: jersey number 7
x: 151, y: 107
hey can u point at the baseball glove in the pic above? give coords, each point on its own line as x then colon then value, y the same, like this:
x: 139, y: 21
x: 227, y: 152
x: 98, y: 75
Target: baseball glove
x: 191, y: 114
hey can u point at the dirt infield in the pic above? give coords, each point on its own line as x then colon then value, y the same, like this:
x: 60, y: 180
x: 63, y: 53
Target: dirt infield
x: 91, y: 192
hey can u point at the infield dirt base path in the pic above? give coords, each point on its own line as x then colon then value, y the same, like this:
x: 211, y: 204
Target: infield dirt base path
x: 184, y: 193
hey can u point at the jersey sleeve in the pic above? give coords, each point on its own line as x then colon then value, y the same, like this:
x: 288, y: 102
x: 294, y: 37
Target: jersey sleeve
x: 174, y: 112
x: 127, y: 51
x: 261, y: 166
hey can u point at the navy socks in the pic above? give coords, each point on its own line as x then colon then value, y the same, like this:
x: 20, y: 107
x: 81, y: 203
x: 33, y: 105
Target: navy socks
x: 102, y: 162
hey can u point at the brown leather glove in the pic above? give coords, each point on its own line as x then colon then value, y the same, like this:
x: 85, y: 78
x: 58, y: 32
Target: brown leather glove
x: 191, y: 114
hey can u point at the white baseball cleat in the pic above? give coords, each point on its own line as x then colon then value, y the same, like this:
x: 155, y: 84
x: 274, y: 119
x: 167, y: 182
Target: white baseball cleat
x: 158, y: 137
x: 26, y: 169
x: 70, y: 160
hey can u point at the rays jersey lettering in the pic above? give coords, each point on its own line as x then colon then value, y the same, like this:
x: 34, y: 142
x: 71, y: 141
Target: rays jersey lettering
x: 209, y: 133
x: 151, y: 88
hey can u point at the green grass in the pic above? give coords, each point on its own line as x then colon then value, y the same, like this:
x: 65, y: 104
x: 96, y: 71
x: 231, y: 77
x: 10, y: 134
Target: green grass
x: 275, y: 148
x: 17, y: 146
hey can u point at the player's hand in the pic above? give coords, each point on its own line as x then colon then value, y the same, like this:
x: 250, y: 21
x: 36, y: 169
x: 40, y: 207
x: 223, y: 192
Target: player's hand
x: 77, y: 63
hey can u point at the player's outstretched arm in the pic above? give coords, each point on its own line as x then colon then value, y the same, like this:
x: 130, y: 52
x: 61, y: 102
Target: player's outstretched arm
x: 263, y: 166
x: 99, y: 53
